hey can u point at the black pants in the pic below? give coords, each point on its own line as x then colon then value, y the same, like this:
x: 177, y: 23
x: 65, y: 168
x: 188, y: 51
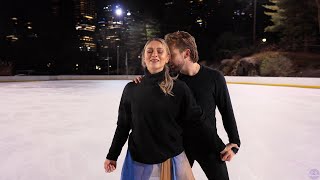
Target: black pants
x: 204, y: 145
x: 211, y: 164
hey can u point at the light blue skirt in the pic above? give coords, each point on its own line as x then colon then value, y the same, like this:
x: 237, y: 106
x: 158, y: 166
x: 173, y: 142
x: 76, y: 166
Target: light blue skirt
x: 132, y: 170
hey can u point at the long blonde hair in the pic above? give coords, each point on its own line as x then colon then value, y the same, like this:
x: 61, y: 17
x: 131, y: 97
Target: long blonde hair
x: 167, y: 84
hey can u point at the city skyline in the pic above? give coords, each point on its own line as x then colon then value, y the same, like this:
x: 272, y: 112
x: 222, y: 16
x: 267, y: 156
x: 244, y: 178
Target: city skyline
x: 79, y: 36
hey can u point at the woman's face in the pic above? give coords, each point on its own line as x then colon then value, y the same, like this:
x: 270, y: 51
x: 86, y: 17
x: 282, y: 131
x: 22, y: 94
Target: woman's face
x: 155, y: 56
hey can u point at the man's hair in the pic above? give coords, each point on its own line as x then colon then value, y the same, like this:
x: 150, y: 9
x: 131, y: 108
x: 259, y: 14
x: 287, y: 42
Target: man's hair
x: 182, y: 41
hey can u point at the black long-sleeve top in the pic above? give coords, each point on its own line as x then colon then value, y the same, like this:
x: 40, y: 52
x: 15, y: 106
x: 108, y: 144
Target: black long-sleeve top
x: 156, y: 120
x: 210, y: 91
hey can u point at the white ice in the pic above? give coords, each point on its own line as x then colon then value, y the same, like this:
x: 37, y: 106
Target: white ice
x: 62, y: 130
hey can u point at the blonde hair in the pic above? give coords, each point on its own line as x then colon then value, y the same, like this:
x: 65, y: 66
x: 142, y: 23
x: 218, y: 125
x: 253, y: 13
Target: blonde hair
x: 183, y: 40
x: 167, y: 84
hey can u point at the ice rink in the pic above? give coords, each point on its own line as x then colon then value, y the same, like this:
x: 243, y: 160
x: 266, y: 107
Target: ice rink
x: 62, y: 130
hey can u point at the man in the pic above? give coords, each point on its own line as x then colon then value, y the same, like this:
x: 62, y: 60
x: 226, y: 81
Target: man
x: 210, y: 91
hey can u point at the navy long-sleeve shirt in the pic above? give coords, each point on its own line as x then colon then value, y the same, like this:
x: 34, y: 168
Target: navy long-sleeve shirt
x: 156, y: 120
x: 210, y: 91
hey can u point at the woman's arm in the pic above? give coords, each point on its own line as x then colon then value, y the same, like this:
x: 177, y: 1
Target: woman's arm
x: 123, y: 125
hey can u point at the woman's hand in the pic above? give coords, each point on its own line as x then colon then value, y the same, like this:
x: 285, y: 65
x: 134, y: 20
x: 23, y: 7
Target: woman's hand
x: 110, y: 165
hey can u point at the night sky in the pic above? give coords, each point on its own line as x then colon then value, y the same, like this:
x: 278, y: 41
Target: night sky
x: 38, y: 10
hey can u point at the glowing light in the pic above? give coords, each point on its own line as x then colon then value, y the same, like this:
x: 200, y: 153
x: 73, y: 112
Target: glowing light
x: 88, y: 17
x: 119, y: 12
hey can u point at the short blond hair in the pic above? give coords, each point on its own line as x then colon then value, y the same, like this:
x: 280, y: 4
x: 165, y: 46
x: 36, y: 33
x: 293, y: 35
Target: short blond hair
x: 183, y: 40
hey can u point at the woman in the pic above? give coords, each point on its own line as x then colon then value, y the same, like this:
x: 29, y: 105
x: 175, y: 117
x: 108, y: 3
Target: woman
x: 156, y: 111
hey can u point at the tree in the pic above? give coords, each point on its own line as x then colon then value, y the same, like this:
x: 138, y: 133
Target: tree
x: 139, y: 30
x: 297, y: 27
x: 275, y: 12
x: 318, y: 6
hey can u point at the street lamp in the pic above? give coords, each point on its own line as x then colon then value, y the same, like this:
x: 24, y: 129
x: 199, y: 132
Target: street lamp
x: 254, y: 21
x: 117, y: 60
x: 118, y: 11
x: 119, y: 14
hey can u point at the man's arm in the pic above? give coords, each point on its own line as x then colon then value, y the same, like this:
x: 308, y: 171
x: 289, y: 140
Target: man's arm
x: 224, y: 105
x: 225, y: 108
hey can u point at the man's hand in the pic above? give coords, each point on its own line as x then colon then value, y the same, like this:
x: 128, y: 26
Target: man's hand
x: 227, y: 154
x: 137, y: 80
x: 110, y: 166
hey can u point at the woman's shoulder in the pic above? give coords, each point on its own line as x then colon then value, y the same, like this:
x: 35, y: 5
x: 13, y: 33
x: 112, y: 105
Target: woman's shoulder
x: 129, y: 86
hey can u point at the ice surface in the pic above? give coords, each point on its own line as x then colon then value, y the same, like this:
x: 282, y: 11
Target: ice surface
x: 62, y: 130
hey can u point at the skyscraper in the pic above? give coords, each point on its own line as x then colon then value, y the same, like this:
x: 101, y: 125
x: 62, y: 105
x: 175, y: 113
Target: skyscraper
x: 111, y: 36
x: 85, y: 17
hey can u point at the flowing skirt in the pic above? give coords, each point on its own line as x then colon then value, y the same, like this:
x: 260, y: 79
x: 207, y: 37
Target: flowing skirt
x: 176, y: 168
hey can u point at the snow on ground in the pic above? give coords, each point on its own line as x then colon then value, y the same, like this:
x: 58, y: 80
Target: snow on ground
x: 62, y: 130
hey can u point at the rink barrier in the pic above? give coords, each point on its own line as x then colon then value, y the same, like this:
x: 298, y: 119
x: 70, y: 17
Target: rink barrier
x: 65, y: 77
x: 282, y: 85
x: 299, y: 82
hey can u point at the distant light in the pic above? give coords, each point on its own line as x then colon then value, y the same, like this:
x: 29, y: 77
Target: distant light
x: 199, y: 21
x: 88, y: 17
x: 119, y: 12
x: 14, y: 18
x: 264, y: 40
x: 77, y: 65
x: 78, y: 27
x: 29, y: 27
x: 129, y: 13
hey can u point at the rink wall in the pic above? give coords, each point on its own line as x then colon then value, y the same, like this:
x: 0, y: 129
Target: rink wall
x: 268, y: 81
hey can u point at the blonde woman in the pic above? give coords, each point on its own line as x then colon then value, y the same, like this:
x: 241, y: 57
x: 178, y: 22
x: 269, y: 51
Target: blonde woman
x: 156, y: 112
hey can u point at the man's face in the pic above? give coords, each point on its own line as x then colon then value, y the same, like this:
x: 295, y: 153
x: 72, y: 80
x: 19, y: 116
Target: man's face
x: 177, y: 60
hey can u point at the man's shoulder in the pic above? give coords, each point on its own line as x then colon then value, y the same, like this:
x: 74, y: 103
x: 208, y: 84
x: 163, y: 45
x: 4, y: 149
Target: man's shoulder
x: 179, y: 83
x: 212, y: 72
x: 210, y: 69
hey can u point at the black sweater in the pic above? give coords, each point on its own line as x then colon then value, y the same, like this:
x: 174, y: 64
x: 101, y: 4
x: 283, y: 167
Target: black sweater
x: 210, y: 91
x: 156, y: 120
